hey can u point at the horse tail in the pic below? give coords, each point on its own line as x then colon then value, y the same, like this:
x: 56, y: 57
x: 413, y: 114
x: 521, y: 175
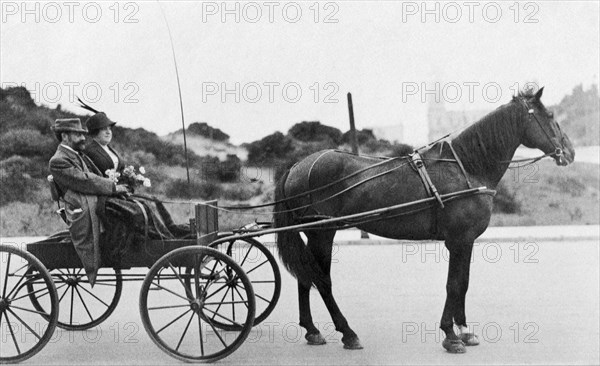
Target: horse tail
x: 297, y: 258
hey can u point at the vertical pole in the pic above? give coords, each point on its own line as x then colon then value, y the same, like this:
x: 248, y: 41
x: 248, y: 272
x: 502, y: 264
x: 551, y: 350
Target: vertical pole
x: 353, y: 138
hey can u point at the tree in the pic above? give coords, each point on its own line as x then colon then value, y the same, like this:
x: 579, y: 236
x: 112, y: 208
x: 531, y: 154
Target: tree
x: 315, y: 131
x: 270, y: 150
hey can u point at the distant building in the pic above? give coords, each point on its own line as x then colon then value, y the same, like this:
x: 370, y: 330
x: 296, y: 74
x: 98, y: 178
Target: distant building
x: 442, y: 121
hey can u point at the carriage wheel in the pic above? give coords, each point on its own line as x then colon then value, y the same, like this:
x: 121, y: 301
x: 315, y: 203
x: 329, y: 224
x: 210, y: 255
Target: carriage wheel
x: 24, y: 331
x: 261, y: 268
x: 182, y: 296
x: 83, y: 307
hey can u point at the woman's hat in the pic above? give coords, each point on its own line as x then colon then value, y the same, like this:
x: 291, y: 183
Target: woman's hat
x: 68, y: 125
x: 99, y: 121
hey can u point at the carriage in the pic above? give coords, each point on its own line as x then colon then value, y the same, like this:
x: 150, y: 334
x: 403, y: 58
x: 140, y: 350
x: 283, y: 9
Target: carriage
x: 202, y: 295
x: 212, y: 278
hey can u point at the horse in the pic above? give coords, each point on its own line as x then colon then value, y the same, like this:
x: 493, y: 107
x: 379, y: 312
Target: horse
x: 331, y: 184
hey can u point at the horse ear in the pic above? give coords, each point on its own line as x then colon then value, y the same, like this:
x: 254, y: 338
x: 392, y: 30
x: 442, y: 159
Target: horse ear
x: 538, y: 95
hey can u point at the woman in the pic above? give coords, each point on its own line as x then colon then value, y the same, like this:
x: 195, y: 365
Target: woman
x: 122, y: 214
x: 99, y: 150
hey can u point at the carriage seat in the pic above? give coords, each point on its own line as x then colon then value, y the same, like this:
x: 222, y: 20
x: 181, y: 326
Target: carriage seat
x: 56, y: 195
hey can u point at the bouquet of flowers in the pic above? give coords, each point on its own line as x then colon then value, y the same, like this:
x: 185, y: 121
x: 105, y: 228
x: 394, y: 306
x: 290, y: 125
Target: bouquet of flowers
x: 129, y: 177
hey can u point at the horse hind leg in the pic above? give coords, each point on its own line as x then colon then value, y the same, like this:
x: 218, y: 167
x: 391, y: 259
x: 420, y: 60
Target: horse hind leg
x: 321, y: 244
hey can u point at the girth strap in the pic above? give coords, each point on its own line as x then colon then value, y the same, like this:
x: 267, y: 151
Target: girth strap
x: 420, y: 166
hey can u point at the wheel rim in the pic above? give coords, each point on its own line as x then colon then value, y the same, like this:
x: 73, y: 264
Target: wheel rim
x: 24, y: 330
x: 261, y: 268
x: 182, y: 295
x: 83, y: 307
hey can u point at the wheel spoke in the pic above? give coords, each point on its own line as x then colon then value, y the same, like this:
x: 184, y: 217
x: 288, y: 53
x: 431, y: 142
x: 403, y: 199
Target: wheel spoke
x: 221, y: 316
x: 220, y: 302
x: 216, y: 332
x: 63, y: 295
x: 187, y: 290
x: 227, y: 303
x: 94, y: 296
x: 216, y: 292
x: 12, y: 334
x: 248, y: 272
x: 241, y: 297
x: 101, y: 283
x: 170, y: 291
x: 30, y: 310
x: 245, y: 257
x: 173, y: 321
x: 34, y: 292
x: 200, y: 334
x: 72, y: 298
x: 168, y: 307
x: 22, y: 322
x: 232, y: 304
x: 17, y: 286
x: 83, y: 303
x: 6, y: 275
x: 184, y: 332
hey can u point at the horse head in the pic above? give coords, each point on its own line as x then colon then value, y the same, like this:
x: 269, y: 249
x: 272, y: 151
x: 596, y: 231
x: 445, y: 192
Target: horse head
x: 541, y: 131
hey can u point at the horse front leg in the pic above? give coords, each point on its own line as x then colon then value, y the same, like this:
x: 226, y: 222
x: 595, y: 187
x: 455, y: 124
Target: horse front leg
x: 456, y: 290
x: 460, y: 318
x: 313, y: 336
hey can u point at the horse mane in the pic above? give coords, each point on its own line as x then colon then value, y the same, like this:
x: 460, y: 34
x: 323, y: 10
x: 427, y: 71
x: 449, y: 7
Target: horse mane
x: 487, y: 141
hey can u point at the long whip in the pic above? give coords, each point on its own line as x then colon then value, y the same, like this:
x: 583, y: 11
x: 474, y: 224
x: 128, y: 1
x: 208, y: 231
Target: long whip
x: 187, y: 166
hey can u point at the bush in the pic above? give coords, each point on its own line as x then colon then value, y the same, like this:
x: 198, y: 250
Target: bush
x: 229, y: 170
x: 179, y: 188
x: 568, y: 185
x: 241, y: 191
x: 362, y: 136
x: 27, y: 143
x: 203, y: 129
x: 16, y: 181
x: 401, y: 150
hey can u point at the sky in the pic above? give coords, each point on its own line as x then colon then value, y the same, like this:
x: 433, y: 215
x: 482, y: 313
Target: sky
x: 253, y: 68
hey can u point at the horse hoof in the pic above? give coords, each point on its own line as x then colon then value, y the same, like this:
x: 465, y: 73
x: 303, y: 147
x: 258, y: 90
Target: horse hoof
x: 315, y: 339
x: 469, y: 339
x: 454, y: 346
x: 353, y: 343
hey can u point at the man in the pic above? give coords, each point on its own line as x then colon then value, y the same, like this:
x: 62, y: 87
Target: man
x: 81, y: 182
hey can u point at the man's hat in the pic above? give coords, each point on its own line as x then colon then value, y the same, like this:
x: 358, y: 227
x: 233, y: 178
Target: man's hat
x: 68, y: 125
x: 99, y: 121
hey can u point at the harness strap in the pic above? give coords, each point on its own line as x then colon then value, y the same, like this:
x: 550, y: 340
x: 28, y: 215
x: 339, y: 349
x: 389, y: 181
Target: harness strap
x: 460, y: 164
x: 310, y: 172
x: 418, y: 163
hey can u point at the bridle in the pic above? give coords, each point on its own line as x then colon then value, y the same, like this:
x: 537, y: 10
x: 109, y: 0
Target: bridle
x: 558, y: 151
